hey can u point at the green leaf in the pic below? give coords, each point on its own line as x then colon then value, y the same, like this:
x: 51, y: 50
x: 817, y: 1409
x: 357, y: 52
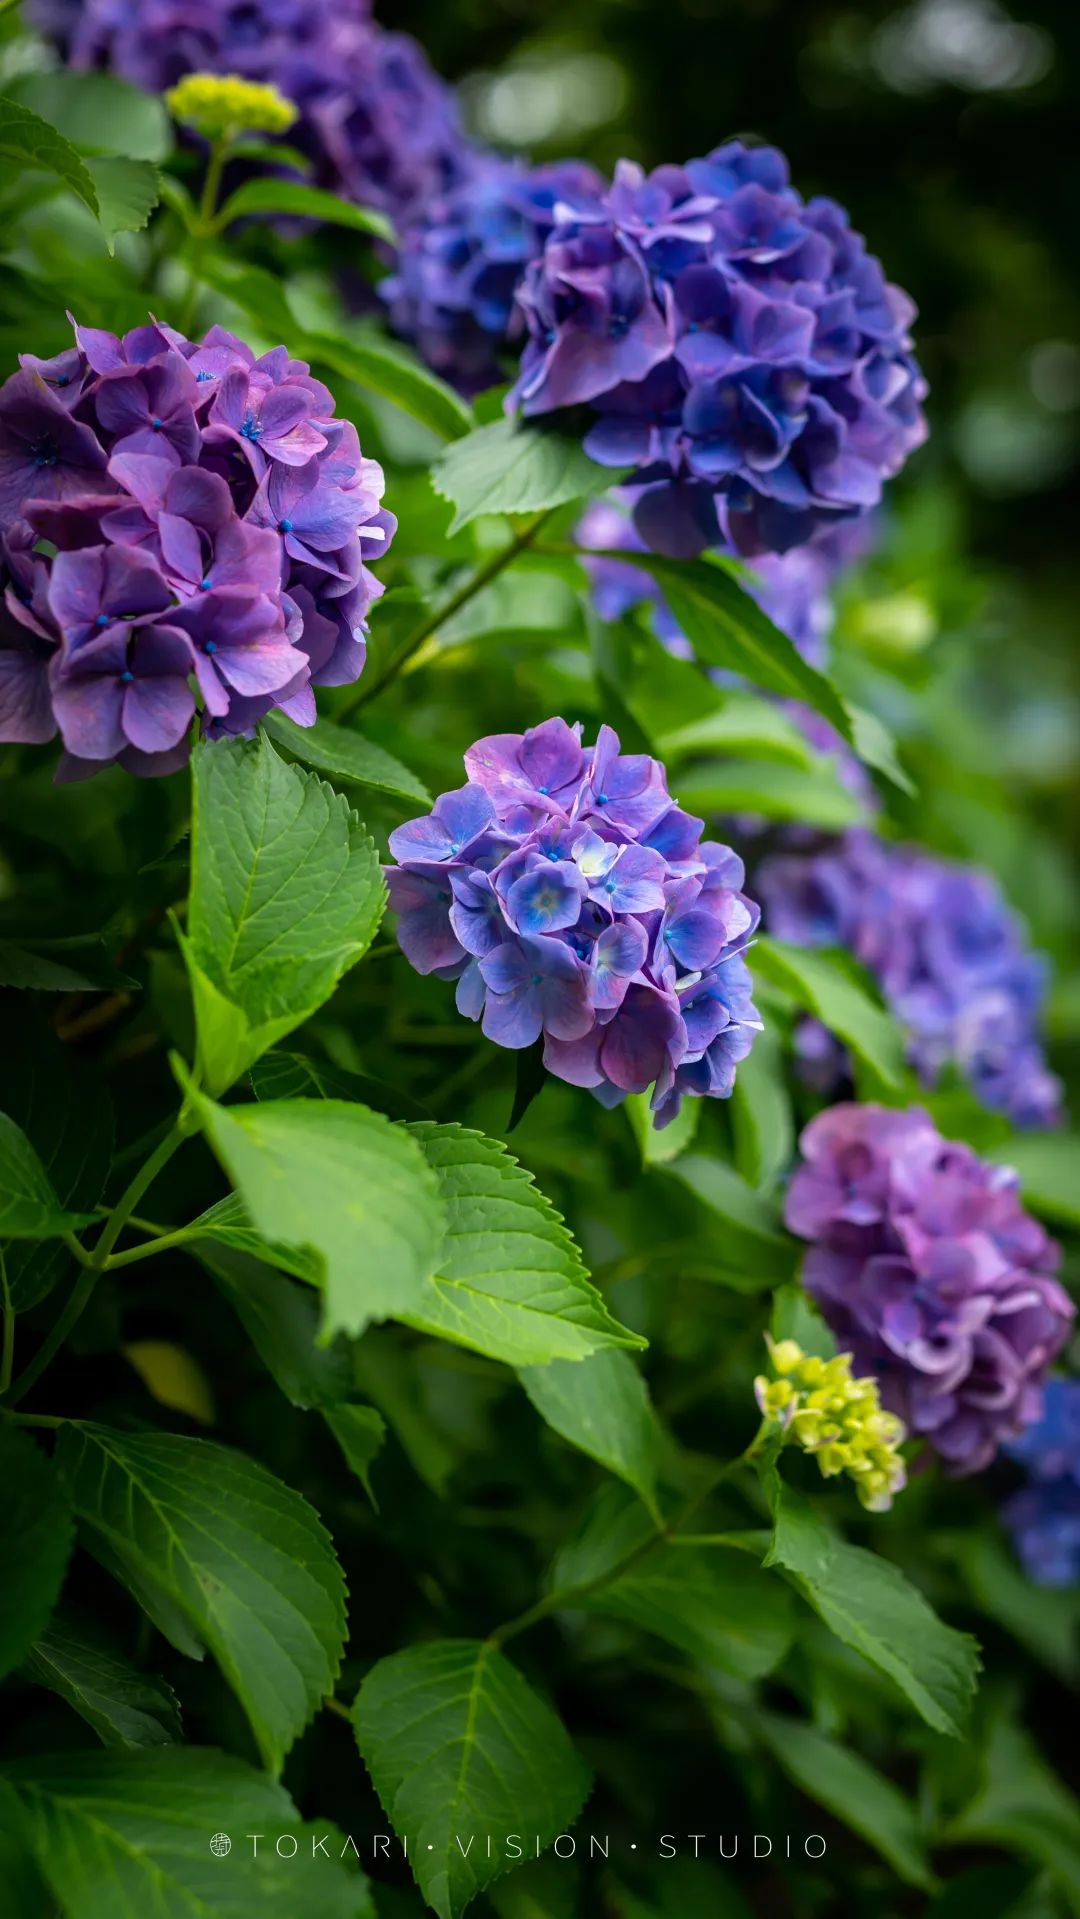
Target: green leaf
x: 124, y: 1706
x: 1044, y: 1619
x: 29, y: 141
x: 205, y: 1537
x: 761, y: 1114
x: 286, y: 895
x: 29, y: 1209
x: 272, y: 196
x: 509, y: 1281
x: 361, y: 1433
x: 751, y: 1239
x: 279, y: 1316
x: 848, y: 1787
x: 99, y: 112
x: 343, y: 1184
x: 127, y: 193
x: 458, y: 1746
x: 660, y: 1145
x: 602, y: 1406
x: 36, y: 1537
x: 876, y: 747
x: 347, y: 756
x: 119, y: 1833
x: 813, y: 796
x: 794, y: 1316
x: 727, y: 628
x: 394, y: 375
x: 511, y: 468
x: 824, y: 986
x: 66, y: 1113
x: 1024, y: 1807
x: 741, y: 724
x: 1047, y: 1164
x: 711, y: 1602
x: 22, y: 968
x: 283, y: 1075
x: 868, y: 1603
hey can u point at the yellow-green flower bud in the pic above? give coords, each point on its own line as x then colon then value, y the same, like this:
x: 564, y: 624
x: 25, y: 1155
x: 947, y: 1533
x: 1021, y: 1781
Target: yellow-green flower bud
x: 825, y: 1411
x: 222, y: 104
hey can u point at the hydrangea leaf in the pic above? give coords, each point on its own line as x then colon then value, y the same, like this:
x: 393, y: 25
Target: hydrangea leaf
x: 347, y: 1188
x: 273, y: 196
x: 36, y: 1537
x: 286, y: 894
x: 212, y: 1543
x: 280, y: 1317
x: 1024, y: 1807
x: 66, y: 1113
x: 29, y: 141
x: 347, y: 756
x: 392, y: 373
x: 128, y: 1832
x: 751, y: 1239
x: 99, y: 111
x: 510, y: 468
x: 660, y: 1145
x: 712, y: 1602
x: 127, y: 193
x: 761, y: 1114
x: 811, y: 796
x: 853, y: 1791
x: 29, y: 1208
x: 361, y: 1433
x: 458, y: 1746
x: 867, y: 1602
x: 602, y: 1406
x: 1046, y: 1163
x: 124, y: 1706
x: 827, y: 988
x: 509, y: 1282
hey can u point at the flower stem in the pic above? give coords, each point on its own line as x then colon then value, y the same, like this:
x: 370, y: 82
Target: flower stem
x: 431, y: 624
x: 7, y: 1360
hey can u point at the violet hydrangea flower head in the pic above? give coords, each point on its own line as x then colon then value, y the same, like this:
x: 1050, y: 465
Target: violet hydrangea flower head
x: 952, y: 961
x: 929, y: 1271
x: 460, y: 262
x: 573, y: 900
x: 176, y: 514
x: 377, y: 123
x: 1044, y: 1516
x: 736, y: 344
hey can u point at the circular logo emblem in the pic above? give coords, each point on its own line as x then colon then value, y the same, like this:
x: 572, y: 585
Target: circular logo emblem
x: 221, y: 1845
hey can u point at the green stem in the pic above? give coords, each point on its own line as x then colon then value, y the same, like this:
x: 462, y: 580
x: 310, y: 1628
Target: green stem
x: 7, y: 1360
x: 567, y: 1597
x: 473, y: 585
x: 220, y: 150
x: 95, y: 1262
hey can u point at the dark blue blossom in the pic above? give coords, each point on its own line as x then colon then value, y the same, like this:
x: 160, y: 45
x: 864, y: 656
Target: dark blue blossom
x: 571, y: 898
x: 736, y: 344
x: 1044, y: 1516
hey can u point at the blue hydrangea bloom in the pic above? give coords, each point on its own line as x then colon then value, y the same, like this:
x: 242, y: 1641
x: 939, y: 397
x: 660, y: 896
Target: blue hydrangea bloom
x: 736, y: 345
x: 952, y: 961
x: 1044, y: 1517
x: 460, y: 262
x: 573, y: 900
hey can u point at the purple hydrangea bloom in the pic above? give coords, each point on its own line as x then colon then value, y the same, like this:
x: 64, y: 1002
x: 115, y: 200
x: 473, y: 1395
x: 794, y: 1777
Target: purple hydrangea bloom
x: 952, y: 961
x: 460, y: 262
x: 176, y: 515
x: 1044, y: 1517
x: 572, y: 899
x: 930, y: 1272
x: 378, y: 124
x: 737, y: 346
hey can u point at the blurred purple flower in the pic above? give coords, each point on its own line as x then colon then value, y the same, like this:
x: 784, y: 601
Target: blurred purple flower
x: 930, y: 1272
x: 1044, y: 1517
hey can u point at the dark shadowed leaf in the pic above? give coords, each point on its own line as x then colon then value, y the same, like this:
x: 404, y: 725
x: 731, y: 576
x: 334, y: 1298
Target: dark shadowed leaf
x: 124, y: 1706
x: 36, y: 1537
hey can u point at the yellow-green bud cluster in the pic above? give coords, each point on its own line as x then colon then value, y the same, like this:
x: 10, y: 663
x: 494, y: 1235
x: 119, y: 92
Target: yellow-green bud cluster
x: 221, y: 104
x: 838, y: 1418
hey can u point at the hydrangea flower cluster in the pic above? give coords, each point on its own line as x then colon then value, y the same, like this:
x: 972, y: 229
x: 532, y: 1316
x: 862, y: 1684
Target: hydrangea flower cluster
x: 461, y: 261
x: 836, y: 1418
x: 738, y: 346
x: 175, y: 511
x: 931, y: 1274
x: 1044, y: 1518
x: 952, y: 962
x: 379, y: 125
x: 571, y: 898
x: 219, y: 106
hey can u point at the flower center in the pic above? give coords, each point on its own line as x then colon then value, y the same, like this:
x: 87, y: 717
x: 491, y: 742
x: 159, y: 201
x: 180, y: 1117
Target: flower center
x: 205, y: 583
x: 284, y: 526
x: 211, y: 646
x: 43, y: 451
x: 126, y: 677
x: 251, y: 429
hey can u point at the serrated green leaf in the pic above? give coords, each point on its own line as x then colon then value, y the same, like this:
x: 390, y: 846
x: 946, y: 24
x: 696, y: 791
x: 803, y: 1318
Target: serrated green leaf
x: 119, y: 1833
x: 1047, y: 1164
x: 868, y: 1603
x: 204, y: 1535
x: 396, y: 376
x: 99, y: 112
x: 347, y: 756
x: 602, y: 1406
x: 286, y: 895
x: 823, y: 986
x: 36, y: 1537
x: 29, y: 141
x: 345, y: 1187
x: 29, y: 1208
x: 853, y: 1791
x: 459, y: 1746
x: 124, y: 1706
x: 67, y: 1115
x: 127, y: 193
x: 1024, y: 1807
x: 361, y: 1433
x: 272, y: 196
x: 512, y: 468
x: 279, y: 1315
x: 509, y: 1280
